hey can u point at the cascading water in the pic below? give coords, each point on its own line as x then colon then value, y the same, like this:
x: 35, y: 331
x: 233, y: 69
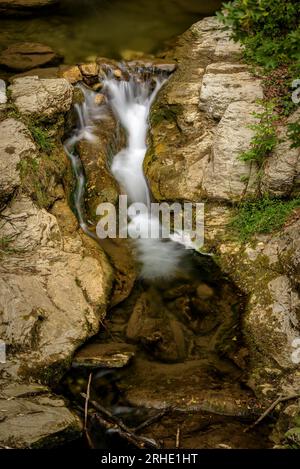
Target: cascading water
x: 131, y: 102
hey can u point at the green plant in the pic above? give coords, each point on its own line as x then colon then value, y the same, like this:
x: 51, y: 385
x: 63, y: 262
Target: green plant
x: 265, y: 137
x: 269, y: 29
x: 261, y: 216
x: 41, y: 137
x: 294, y: 134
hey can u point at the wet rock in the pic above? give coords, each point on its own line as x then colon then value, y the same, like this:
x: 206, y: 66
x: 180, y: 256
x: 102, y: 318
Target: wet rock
x: 16, y: 145
x: 23, y: 7
x: 225, y: 176
x: 150, y: 325
x: 282, y: 167
x: 189, y: 387
x: 90, y: 70
x: 70, y: 73
x: 28, y: 55
x: 104, y: 355
x: 204, y: 291
x: 153, y: 65
x: 31, y: 417
x: 53, y: 293
x: 44, y: 98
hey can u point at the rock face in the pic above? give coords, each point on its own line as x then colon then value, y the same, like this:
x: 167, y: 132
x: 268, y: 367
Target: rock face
x: 54, y: 282
x: 14, y: 7
x: 41, y: 97
x: 199, y: 127
x: 16, y: 144
x: 26, y: 56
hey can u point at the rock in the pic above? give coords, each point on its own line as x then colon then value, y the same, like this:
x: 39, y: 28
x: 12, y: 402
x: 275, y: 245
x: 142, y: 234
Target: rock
x: 224, y: 84
x: 204, y: 291
x: 187, y: 387
x: 21, y: 7
x: 16, y: 145
x: 225, y: 176
x: 51, y: 72
x: 70, y: 73
x: 44, y: 98
x: 118, y: 73
x: 53, y: 293
x: 102, y: 355
x: 31, y: 417
x: 25, y: 56
x: 150, y: 325
x: 100, y: 99
x: 281, y: 169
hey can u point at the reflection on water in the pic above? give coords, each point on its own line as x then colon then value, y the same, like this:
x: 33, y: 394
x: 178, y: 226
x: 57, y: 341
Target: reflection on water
x: 80, y: 29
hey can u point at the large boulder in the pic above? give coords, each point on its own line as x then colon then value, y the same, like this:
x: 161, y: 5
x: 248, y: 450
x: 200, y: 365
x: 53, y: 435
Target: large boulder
x: 28, y: 55
x: 43, y: 98
x: 16, y: 144
x: 53, y: 293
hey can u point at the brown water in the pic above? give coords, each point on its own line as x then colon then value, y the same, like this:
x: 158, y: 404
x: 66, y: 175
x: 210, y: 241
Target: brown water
x: 80, y: 30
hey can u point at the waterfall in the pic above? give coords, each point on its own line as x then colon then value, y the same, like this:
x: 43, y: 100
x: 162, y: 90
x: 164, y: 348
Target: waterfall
x: 130, y: 102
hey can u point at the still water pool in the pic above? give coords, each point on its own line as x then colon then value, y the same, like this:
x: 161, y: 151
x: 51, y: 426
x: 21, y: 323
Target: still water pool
x: 82, y: 29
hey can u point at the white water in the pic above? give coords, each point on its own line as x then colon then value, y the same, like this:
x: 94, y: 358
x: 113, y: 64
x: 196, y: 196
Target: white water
x: 131, y: 102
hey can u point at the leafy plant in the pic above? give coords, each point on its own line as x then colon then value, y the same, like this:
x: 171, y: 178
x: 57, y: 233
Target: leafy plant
x: 262, y: 216
x: 265, y: 138
x: 294, y: 134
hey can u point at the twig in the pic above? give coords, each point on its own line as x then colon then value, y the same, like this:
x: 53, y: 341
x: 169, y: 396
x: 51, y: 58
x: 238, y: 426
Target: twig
x: 272, y: 407
x: 87, y: 397
x: 178, y: 438
x: 152, y: 419
x: 133, y: 439
x: 108, y: 414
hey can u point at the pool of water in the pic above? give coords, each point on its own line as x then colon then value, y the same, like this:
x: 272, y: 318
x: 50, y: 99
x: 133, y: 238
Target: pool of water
x: 83, y: 29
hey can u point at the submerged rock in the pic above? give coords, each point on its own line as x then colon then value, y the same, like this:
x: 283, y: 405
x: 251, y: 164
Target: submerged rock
x: 43, y: 98
x: 28, y: 55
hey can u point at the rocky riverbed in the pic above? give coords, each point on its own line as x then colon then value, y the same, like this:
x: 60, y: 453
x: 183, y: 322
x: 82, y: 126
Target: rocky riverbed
x: 210, y: 352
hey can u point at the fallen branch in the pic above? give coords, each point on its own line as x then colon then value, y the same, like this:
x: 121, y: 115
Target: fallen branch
x: 152, y: 419
x: 272, y: 407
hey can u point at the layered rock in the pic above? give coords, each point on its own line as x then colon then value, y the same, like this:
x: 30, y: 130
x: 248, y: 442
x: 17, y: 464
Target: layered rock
x: 21, y: 7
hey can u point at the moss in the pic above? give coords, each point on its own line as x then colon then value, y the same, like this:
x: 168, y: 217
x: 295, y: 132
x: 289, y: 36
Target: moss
x: 41, y: 137
x: 261, y: 216
x: 165, y: 113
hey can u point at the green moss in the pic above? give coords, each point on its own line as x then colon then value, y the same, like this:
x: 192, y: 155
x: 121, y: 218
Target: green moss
x: 261, y: 216
x: 41, y: 137
x: 165, y: 113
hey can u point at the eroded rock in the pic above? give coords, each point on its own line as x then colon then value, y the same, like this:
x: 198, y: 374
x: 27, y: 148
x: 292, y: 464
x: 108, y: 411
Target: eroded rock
x: 104, y: 355
x: 44, y: 98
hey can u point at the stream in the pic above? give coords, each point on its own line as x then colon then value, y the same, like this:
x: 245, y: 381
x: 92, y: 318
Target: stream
x: 176, y: 367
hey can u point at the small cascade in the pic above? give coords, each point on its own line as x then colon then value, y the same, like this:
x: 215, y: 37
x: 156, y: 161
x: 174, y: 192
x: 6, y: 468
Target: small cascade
x: 130, y: 100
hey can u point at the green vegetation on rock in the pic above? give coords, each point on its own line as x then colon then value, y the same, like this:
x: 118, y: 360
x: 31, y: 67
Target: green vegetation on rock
x: 262, y: 216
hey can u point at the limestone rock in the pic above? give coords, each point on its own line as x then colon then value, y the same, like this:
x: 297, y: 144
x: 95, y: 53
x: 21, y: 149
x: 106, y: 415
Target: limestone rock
x: 31, y: 417
x: 224, y: 84
x: 42, y: 97
x: 53, y: 294
x: 15, y: 145
x: 48, y: 72
x: 225, y: 176
x: 71, y: 73
x: 24, y: 56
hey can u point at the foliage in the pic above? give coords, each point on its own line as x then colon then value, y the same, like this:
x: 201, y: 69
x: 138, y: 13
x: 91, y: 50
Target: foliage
x: 294, y: 134
x: 262, y: 216
x: 265, y: 137
x: 41, y: 137
x: 269, y: 29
